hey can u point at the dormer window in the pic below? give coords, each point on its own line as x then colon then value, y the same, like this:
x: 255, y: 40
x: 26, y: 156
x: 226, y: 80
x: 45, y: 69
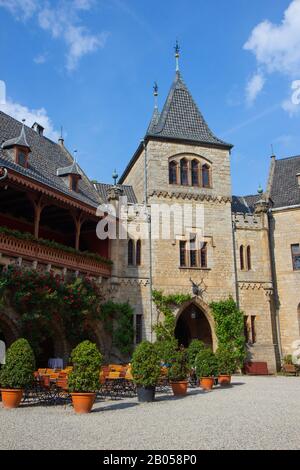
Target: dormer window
x: 22, y: 157
x: 74, y: 183
x: 70, y: 175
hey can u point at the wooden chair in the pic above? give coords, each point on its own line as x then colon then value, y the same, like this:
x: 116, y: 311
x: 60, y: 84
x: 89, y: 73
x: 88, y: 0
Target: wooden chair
x: 290, y: 369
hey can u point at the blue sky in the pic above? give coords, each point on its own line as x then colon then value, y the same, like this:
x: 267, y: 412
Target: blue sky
x: 90, y: 66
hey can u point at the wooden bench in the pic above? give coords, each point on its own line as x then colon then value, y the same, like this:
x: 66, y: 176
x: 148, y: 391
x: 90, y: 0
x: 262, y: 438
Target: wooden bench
x: 290, y: 369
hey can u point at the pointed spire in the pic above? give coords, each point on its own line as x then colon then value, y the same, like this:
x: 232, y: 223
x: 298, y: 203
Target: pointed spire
x: 177, y: 55
x: 21, y: 140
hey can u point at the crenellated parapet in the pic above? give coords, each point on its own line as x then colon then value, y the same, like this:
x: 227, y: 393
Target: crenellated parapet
x: 247, y: 220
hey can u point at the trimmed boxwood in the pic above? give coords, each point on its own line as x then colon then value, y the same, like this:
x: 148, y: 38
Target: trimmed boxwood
x: 193, y: 350
x: 86, y: 359
x: 146, y: 364
x: 227, y: 360
x: 179, y: 368
x: 17, y: 372
x: 206, y: 364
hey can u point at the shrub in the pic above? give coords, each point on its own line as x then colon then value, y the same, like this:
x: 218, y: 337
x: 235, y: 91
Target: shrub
x: 167, y: 349
x: 87, y: 360
x: 227, y: 360
x: 206, y: 363
x: 288, y: 359
x: 146, y: 364
x: 179, y: 369
x: 18, y: 370
x: 194, y: 348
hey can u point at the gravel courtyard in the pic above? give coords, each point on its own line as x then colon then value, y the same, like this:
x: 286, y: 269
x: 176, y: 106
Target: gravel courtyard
x: 255, y: 413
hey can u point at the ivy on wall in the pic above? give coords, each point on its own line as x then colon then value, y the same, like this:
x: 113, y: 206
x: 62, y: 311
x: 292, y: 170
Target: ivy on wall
x: 118, y: 321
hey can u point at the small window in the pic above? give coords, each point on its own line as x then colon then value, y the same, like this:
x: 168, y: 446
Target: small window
x: 22, y: 157
x: 73, y: 183
x: 242, y: 264
x: 246, y: 329
x: 205, y: 176
x: 130, y: 253
x: 138, y: 329
x: 193, y: 253
x: 138, y: 253
x: 182, y: 253
x: 296, y: 257
x: 203, y: 255
x: 248, y: 258
x: 253, y: 330
x: 195, y: 173
x: 173, y: 173
x: 184, y: 172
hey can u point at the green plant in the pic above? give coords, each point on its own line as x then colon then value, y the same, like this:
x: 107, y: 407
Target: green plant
x: 206, y: 363
x: 288, y: 359
x: 194, y: 348
x: 167, y: 349
x: 86, y: 360
x: 227, y: 360
x: 18, y: 370
x: 229, y: 321
x: 120, y: 315
x: 179, y: 368
x: 146, y: 364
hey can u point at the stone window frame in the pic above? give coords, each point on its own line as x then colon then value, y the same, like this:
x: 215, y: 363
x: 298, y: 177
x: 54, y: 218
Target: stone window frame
x: 134, y: 252
x: 245, y: 257
x: 177, y: 160
x: 295, y: 256
x: 185, y: 260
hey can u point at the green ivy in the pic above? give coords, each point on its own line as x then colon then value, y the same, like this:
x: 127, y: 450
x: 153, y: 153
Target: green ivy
x: 229, y: 324
x: 52, y: 244
x: 118, y: 321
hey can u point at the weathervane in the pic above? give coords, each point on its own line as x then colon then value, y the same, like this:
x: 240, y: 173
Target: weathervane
x: 177, y: 50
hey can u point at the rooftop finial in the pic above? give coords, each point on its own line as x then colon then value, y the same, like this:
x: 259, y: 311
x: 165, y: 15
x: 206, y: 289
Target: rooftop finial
x: 177, y: 50
x: 115, y: 176
x: 272, y: 149
x: 75, y: 155
x: 260, y: 190
x: 61, y: 132
x: 155, y: 93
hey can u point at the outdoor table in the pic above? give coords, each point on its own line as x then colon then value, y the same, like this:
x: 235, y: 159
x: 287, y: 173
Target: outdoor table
x: 56, y: 363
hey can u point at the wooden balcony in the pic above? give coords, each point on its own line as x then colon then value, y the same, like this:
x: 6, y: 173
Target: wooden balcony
x: 35, y: 251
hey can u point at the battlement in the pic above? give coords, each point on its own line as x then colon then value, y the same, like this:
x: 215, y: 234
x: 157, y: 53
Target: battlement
x: 247, y: 220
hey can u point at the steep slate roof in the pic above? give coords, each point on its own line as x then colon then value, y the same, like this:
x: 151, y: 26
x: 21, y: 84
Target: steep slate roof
x: 181, y: 118
x: 244, y: 204
x: 285, y: 190
x: 45, y: 159
x: 102, y: 189
x: 19, y: 140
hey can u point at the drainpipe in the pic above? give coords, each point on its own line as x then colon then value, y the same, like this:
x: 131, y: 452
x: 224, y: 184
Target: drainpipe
x: 237, y: 294
x: 149, y: 233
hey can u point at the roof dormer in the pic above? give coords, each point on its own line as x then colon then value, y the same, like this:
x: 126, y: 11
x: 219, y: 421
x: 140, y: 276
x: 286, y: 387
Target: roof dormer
x: 71, y: 176
x: 18, y: 148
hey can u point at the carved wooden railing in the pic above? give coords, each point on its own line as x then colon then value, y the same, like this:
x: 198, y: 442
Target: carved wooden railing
x: 34, y: 251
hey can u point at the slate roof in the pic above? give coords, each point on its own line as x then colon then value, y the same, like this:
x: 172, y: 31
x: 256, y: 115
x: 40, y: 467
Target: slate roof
x: 181, y: 118
x: 102, y: 189
x: 69, y: 170
x: 19, y: 140
x: 244, y: 204
x: 285, y: 190
x: 45, y: 159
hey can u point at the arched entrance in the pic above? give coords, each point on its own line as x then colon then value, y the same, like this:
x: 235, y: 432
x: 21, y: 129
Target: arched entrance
x: 193, y: 324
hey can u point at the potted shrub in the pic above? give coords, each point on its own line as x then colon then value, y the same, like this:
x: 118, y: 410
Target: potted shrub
x: 193, y: 350
x: 17, y: 372
x: 84, y: 380
x: 146, y: 370
x: 227, y: 364
x: 178, y: 372
x: 206, y: 368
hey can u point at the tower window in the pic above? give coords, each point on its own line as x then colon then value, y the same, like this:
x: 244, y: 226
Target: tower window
x: 138, y: 253
x: 182, y: 253
x: 248, y: 258
x: 242, y: 263
x: 253, y: 330
x: 130, y: 252
x: 184, y: 172
x: 203, y: 255
x: 296, y: 257
x: 195, y: 173
x: 193, y: 253
x: 138, y: 329
x: 205, y: 176
x: 173, y: 173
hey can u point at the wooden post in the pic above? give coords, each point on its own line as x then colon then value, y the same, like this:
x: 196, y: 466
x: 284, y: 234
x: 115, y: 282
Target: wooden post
x: 78, y: 221
x: 38, y: 205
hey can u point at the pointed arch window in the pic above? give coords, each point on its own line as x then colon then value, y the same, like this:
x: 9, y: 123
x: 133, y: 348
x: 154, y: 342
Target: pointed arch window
x: 205, y: 176
x: 184, y: 178
x: 248, y: 258
x: 138, y: 253
x: 173, y: 173
x: 130, y: 252
x: 242, y: 263
x: 195, y: 173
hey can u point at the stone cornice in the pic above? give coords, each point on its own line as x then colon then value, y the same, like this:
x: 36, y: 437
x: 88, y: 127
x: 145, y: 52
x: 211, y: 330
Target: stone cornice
x: 190, y: 196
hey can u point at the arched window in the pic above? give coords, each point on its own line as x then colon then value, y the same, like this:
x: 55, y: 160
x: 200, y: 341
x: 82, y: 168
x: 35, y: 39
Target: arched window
x: 195, y: 173
x: 184, y: 172
x: 248, y: 258
x: 205, y: 176
x: 242, y: 263
x: 203, y: 255
x: 130, y: 252
x: 173, y: 173
x: 138, y: 253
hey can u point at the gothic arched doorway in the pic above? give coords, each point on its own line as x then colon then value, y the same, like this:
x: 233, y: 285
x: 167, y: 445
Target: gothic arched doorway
x: 193, y: 324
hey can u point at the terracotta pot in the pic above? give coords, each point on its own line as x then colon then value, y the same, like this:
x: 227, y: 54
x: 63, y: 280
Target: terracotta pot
x: 11, y: 398
x: 224, y: 380
x: 207, y: 383
x: 180, y: 388
x: 83, y: 402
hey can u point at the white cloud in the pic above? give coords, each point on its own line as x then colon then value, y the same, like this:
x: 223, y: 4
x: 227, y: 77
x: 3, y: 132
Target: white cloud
x: 40, y: 59
x: 62, y: 20
x: 254, y: 87
x: 20, y: 112
x: 291, y: 108
x: 277, y: 47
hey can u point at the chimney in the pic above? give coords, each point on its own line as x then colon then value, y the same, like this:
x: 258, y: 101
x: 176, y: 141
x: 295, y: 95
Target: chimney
x: 298, y: 179
x: 61, y: 142
x: 38, y: 128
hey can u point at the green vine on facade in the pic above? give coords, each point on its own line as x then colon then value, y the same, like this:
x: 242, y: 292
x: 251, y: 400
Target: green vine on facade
x: 118, y: 321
